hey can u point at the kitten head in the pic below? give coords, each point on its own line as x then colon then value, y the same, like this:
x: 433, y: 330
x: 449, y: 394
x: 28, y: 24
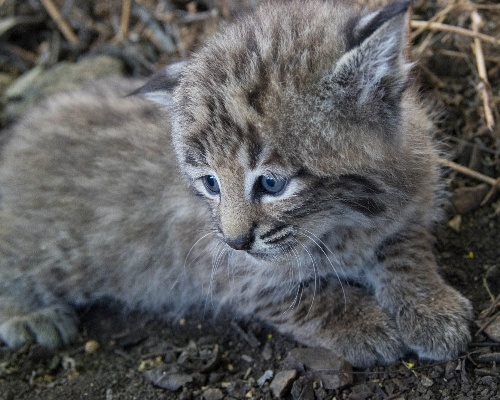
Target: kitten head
x: 287, y: 121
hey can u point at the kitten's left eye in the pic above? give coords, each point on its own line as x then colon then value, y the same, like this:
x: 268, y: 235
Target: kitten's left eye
x: 273, y: 185
x: 211, y: 184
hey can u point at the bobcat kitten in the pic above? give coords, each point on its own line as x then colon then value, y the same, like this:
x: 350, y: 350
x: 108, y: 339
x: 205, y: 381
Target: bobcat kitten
x: 306, y: 190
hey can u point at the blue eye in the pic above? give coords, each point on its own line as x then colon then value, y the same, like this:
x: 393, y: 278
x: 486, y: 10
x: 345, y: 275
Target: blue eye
x: 211, y: 184
x: 272, y: 185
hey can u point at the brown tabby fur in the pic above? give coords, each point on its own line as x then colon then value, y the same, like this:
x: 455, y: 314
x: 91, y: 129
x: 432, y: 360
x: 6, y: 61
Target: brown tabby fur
x: 101, y: 199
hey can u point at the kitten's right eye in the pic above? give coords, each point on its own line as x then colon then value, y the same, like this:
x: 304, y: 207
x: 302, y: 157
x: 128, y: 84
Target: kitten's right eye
x: 211, y: 184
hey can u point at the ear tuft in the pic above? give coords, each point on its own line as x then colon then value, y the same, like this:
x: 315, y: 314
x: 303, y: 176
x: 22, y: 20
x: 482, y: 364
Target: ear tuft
x: 368, y: 81
x: 159, y: 87
x: 366, y: 25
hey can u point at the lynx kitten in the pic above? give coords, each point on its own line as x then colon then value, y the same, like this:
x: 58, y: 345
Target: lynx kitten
x: 295, y: 184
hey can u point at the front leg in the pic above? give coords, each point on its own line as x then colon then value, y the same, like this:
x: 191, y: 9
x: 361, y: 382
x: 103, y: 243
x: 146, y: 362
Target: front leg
x: 433, y: 318
x: 347, y: 320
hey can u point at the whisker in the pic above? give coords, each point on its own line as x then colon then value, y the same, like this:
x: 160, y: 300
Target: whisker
x: 217, y: 251
x: 205, y: 250
x: 298, y: 295
x: 328, y: 258
x: 195, y: 243
x: 316, y: 278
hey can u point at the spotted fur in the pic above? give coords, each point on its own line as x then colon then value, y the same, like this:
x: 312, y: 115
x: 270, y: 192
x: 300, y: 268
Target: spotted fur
x: 302, y: 194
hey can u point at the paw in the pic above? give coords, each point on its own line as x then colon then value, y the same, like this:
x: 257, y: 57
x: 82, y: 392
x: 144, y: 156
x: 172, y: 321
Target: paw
x: 438, y: 329
x: 364, y: 334
x: 52, y: 327
x: 379, y: 345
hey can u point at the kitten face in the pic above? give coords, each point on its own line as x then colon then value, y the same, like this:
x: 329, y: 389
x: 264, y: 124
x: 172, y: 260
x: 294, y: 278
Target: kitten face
x: 290, y: 124
x: 277, y: 128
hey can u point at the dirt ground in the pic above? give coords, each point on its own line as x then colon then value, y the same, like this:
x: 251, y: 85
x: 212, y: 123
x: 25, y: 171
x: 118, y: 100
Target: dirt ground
x: 139, y: 357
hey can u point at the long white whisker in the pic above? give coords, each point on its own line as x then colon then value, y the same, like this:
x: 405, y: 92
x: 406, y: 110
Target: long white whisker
x: 217, y: 251
x: 195, y: 243
x: 329, y: 261
x: 205, y: 250
x: 316, y: 279
x: 298, y: 294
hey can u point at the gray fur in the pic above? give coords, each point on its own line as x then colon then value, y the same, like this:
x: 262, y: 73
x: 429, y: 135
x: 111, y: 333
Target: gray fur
x: 93, y: 205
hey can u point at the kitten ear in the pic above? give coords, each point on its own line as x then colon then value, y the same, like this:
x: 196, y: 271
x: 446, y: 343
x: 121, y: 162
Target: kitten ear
x: 374, y: 71
x: 160, y: 86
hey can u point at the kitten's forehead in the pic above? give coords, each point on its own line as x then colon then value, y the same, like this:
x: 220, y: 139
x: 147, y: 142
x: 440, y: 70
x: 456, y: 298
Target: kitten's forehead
x: 261, y: 65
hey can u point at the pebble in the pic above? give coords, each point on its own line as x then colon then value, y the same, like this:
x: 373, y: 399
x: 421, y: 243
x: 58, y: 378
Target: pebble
x: 302, y: 389
x: 282, y: 382
x: 91, y: 346
x: 212, y: 394
x: 493, y: 329
x: 265, y: 377
x: 488, y: 357
x: 267, y: 351
x: 467, y: 199
x: 166, y: 380
x: 450, y: 370
x: 426, y: 381
x: 323, y: 364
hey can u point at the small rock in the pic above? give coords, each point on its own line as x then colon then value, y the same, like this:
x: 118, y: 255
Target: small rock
x: 166, y: 379
x: 302, y: 389
x: 323, y: 364
x: 282, y: 382
x: 455, y: 223
x: 212, y: 394
x: 265, y: 377
x: 361, y: 391
x: 267, y: 351
x: 450, y: 370
x: 488, y: 357
x: 91, y: 346
x: 238, y: 389
x: 426, y: 381
x: 467, y: 199
x: 493, y: 329
x: 199, y: 358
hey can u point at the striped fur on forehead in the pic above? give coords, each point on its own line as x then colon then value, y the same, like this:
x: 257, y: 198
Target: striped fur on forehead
x: 244, y: 81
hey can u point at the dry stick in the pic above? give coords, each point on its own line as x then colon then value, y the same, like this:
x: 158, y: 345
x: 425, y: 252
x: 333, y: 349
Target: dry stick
x: 495, y: 183
x: 60, y: 22
x: 437, y: 26
x: 477, y: 22
x: 467, y: 171
x: 439, y: 17
x: 125, y: 19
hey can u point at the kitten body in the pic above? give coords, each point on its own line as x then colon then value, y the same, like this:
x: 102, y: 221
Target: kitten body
x: 307, y: 187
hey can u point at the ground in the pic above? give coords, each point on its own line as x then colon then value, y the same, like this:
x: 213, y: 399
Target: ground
x: 140, y: 357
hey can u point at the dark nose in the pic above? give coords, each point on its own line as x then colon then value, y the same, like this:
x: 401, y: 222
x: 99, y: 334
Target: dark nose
x: 240, y: 242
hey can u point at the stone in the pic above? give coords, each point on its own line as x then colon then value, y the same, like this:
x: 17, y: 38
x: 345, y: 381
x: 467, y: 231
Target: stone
x: 282, y: 382
x: 213, y: 394
x: 324, y: 365
x: 493, y: 329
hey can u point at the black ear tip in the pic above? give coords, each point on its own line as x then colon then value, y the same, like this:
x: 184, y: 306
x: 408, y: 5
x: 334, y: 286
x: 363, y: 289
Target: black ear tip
x: 398, y: 8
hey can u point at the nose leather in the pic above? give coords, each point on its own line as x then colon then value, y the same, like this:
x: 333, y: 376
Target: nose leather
x: 241, y: 242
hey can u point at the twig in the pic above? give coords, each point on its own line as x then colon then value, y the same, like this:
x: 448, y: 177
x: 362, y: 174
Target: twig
x: 495, y: 183
x: 477, y: 22
x: 437, y: 26
x: 467, y: 171
x: 439, y: 17
x: 60, y: 22
x: 125, y: 19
